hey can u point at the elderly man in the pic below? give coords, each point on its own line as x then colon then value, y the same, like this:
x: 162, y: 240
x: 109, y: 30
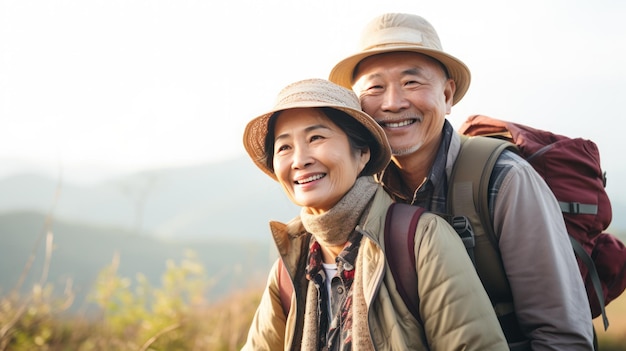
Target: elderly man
x: 408, y: 84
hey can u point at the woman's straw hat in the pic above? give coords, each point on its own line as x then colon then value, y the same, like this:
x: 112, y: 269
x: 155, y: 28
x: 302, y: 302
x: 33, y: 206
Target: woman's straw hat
x: 317, y: 93
x: 394, y: 32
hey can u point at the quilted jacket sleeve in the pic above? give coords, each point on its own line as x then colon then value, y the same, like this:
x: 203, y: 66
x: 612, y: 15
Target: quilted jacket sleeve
x: 454, y: 307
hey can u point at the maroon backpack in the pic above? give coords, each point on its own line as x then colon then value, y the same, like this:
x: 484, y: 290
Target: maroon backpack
x: 571, y: 168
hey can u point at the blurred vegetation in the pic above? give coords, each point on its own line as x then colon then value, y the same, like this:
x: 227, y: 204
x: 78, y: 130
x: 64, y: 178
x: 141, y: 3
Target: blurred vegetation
x: 133, y: 315
x: 614, y: 338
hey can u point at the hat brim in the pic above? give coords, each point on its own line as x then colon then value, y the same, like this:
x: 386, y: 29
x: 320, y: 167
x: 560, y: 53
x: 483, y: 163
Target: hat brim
x: 343, y: 71
x: 257, y: 129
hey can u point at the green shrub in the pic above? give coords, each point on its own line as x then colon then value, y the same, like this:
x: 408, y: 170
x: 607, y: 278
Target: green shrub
x: 132, y: 315
x: 28, y: 322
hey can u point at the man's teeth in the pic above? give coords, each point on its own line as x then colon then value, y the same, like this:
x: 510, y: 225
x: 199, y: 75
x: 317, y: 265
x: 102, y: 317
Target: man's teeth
x: 399, y: 124
x: 310, y: 179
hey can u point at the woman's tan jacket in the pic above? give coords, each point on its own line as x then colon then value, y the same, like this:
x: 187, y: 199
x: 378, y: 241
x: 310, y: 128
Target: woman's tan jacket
x: 454, y: 307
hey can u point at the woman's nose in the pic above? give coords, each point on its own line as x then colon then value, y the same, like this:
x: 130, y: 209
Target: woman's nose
x: 301, y: 158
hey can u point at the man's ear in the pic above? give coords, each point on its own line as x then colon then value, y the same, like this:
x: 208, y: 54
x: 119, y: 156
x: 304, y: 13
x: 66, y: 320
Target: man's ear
x: 448, y: 91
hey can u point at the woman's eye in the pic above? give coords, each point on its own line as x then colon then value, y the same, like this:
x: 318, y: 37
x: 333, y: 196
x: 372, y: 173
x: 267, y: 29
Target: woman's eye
x: 280, y: 148
x: 316, y: 137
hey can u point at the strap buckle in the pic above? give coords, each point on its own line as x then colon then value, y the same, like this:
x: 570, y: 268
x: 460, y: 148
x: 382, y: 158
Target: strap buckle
x: 463, y: 227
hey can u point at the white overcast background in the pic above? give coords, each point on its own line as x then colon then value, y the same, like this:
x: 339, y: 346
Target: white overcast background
x: 97, y: 88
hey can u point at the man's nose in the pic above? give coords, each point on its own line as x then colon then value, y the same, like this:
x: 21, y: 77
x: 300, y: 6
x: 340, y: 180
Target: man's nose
x: 394, y: 99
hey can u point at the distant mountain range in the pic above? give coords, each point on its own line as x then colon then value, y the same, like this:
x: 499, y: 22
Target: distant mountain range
x: 230, y: 199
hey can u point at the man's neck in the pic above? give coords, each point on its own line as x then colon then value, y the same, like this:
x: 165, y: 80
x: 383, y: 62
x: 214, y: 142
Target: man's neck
x: 414, y: 167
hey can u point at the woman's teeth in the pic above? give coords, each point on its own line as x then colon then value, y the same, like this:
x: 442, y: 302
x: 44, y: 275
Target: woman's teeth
x: 310, y: 179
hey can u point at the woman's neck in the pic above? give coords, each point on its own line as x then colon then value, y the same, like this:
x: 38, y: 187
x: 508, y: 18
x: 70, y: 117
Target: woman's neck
x: 330, y: 252
x: 332, y: 228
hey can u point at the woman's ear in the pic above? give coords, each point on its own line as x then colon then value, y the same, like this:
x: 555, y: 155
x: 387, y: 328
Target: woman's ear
x: 364, y: 157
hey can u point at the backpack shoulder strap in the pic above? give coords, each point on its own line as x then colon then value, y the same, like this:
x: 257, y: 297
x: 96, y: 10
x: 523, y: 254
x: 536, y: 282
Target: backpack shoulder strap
x: 400, y: 226
x: 467, y: 200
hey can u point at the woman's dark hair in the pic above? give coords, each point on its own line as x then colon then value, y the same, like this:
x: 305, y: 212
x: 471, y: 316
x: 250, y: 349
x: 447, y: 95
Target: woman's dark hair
x: 359, y: 136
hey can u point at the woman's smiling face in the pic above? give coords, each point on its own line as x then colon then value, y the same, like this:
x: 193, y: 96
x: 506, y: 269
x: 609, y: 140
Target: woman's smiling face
x: 313, y: 160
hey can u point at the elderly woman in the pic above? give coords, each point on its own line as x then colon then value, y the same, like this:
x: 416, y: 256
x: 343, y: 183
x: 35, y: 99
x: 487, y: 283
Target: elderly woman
x: 323, y: 150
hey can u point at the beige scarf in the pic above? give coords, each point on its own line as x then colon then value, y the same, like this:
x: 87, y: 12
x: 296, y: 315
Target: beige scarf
x: 333, y: 228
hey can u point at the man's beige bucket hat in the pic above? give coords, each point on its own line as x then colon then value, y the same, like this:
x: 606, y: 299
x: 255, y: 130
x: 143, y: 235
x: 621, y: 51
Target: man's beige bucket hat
x: 393, y: 32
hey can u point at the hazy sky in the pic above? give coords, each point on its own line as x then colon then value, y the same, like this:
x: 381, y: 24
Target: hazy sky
x: 101, y: 86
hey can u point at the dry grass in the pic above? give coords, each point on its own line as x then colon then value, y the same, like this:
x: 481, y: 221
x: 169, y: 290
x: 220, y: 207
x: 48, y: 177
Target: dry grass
x: 615, y: 337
